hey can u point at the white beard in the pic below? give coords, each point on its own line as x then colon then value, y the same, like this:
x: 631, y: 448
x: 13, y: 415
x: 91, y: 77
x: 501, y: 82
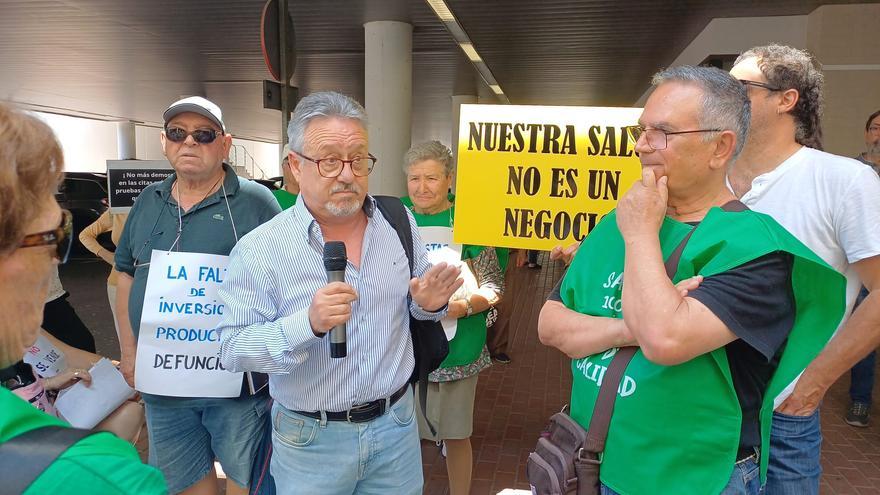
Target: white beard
x: 344, y: 208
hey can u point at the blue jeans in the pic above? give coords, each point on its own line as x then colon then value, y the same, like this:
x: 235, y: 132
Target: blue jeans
x: 795, y: 443
x: 862, y: 379
x: 185, y: 440
x: 382, y: 456
x: 745, y: 480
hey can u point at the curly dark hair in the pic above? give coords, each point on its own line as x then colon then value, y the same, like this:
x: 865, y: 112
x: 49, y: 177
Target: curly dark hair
x: 791, y: 68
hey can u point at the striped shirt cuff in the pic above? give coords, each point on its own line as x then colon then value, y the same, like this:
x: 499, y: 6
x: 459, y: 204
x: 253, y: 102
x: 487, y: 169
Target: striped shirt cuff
x: 420, y: 313
x: 298, y: 332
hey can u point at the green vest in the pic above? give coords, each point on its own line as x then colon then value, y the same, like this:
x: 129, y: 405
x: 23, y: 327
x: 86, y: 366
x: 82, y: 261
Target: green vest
x: 675, y: 429
x: 284, y: 198
x: 470, y: 337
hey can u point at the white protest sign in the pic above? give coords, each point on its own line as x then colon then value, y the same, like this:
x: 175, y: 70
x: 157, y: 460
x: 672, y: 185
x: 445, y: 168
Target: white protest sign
x: 84, y: 406
x: 178, y: 350
x: 438, y: 243
x: 47, y: 359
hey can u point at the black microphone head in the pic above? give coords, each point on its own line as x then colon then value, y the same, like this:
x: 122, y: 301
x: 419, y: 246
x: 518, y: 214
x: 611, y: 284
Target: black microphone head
x: 334, y: 256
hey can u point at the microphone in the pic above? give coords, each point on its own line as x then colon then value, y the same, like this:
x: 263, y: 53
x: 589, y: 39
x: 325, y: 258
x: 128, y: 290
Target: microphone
x: 334, y: 262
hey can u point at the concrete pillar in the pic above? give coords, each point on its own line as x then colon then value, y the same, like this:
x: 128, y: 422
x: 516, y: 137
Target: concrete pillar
x: 126, y: 142
x: 838, y: 35
x: 388, y: 101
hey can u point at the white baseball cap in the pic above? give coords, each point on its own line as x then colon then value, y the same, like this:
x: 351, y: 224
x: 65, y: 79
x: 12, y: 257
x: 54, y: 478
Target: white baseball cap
x: 196, y: 104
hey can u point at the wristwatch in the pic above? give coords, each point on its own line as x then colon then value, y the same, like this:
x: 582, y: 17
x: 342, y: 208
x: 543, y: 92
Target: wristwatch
x: 470, y: 307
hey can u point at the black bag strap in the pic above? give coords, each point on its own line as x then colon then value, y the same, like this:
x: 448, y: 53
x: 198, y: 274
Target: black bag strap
x: 27, y: 455
x: 734, y: 206
x: 394, y: 211
x: 597, y: 433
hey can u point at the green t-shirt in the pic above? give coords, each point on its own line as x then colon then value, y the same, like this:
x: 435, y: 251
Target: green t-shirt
x: 285, y: 199
x: 100, y: 463
x: 470, y: 337
x: 502, y: 253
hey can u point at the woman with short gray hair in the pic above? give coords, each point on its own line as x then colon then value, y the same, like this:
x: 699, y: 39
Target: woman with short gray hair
x: 452, y: 387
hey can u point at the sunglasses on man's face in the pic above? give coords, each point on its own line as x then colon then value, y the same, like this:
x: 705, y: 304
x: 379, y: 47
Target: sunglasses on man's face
x: 61, y: 237
x: 201, y: 136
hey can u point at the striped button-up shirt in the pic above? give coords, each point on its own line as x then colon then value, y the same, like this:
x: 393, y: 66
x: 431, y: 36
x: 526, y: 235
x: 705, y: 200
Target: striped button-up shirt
x: 273, y: 275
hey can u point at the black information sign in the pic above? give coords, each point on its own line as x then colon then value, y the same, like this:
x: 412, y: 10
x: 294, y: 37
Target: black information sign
x: 128, y: 178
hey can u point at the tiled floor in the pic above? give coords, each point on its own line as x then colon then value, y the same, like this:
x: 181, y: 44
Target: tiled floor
x: 514, y: 400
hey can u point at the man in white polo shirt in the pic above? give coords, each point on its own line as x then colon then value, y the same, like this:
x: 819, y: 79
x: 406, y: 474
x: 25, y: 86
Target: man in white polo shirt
x: 829, y: 203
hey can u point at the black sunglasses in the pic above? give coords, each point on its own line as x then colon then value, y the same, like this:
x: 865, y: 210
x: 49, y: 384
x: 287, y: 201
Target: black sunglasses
x: 758, y: 84
x: 201, y: 136
x: 62, y: 237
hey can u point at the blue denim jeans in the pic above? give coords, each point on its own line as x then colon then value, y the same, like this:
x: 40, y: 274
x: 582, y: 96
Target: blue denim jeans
x: 862, y: 379
x: 745, y: 480
x: 184, y: 441
x: 795, y: 444
x: 382, y: 456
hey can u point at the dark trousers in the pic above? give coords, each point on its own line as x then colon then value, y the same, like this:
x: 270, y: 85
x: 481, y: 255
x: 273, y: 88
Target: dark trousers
x: 62, y: 322
x: 498, y: 335
x: 861, y: 383
x: 862, y: 379
x: 532, y: 256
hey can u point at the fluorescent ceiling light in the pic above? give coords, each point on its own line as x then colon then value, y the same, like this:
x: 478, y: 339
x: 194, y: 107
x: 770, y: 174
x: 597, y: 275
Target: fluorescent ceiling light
x: 460, y: 36
x: 471, y: 52
x: 441, y: 10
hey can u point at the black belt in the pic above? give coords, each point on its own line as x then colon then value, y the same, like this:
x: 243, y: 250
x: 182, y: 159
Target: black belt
x: 746, y: 452
x: 360, y: 413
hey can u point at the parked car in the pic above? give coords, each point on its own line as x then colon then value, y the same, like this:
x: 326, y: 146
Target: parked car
x: 272, y: 183
x: 85, y: 195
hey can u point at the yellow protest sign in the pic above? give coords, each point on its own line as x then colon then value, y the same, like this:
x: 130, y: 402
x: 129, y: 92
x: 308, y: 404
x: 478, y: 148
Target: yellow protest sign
x: 537, y: 176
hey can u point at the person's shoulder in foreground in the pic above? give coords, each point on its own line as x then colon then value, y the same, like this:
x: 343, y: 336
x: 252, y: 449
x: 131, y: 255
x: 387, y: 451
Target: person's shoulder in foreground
x: 100, y: 463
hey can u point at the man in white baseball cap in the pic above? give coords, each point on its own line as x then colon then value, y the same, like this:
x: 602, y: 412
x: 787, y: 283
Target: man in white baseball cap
x: 199, y: 212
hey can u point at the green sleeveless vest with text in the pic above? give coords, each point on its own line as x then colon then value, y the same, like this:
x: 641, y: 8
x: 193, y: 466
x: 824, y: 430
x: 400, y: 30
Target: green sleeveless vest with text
x: 470, y: 336
x: 675, y: 429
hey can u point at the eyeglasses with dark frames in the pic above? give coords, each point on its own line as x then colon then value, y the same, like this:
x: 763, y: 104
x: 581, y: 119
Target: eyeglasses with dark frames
x: 758, y: 84
x: 201, y: 136
x: 61, y: 237
x: 331, y: 167
x: 657, y: 139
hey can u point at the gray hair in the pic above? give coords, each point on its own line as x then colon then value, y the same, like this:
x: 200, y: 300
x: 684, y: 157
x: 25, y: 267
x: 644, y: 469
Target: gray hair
x: 322, y: 104
x: 429, y: 150
x: 726, y: 102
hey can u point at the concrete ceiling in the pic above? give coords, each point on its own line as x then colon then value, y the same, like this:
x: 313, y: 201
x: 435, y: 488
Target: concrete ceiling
x: 128, y: 59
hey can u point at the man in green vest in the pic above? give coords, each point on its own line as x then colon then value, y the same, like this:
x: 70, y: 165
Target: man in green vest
x: 753, y: 305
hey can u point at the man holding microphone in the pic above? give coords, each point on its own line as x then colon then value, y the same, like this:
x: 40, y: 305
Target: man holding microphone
x: 341, y: 425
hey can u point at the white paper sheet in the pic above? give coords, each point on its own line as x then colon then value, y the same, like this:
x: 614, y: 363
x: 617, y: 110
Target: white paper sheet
x: 47, y: 359
x: 441, y: 248
x: 85, y: 406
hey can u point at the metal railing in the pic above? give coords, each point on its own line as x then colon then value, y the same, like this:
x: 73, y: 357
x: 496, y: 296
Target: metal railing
x: 244, y: 164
